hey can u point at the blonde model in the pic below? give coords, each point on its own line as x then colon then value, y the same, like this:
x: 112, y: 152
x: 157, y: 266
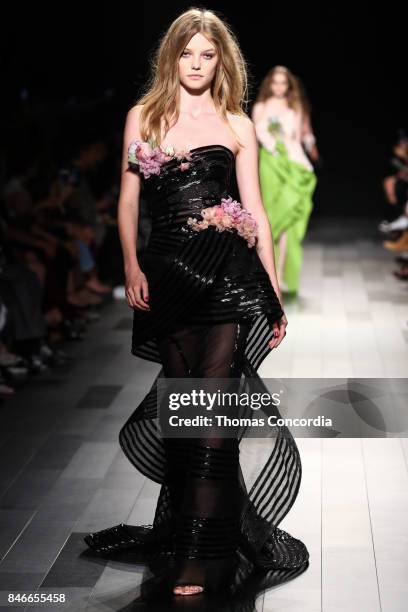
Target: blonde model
x: 206, y: 304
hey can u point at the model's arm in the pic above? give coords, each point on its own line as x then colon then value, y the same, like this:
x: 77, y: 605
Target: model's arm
x: 128, y: 213
x: 266, y: 139
x: 251, y: 199
x: 307, y: 137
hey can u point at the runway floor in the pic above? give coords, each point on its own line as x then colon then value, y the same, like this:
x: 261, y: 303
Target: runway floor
x: 62, y: 473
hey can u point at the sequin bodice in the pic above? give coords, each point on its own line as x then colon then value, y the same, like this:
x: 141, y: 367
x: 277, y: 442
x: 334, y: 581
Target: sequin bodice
x: 175, y: 195
x: 181, y: 264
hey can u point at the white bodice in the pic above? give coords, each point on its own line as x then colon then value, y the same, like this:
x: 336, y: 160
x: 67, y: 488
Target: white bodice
x: 291, y: 123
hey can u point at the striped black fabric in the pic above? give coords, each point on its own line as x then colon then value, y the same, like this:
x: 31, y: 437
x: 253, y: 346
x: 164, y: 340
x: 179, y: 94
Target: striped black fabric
x: 212, y: 277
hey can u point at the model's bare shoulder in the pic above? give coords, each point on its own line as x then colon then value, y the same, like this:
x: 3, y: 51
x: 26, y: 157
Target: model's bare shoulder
x: 257, y: 111
x: 133, y: 121
x: 135, y: 110
x: 243, y: 127
x: 258, y: 106
x: 240, y: 122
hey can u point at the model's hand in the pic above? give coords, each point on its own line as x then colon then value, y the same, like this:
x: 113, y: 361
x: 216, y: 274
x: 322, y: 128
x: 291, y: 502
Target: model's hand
x: 279, y: 331
x: 136, y: 289
x: 314, y: 153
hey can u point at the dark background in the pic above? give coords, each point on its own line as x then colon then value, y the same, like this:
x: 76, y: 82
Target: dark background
x: 83, y: 63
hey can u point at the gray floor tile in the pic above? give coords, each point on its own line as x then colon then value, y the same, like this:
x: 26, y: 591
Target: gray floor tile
x: 19, y: 581
x: 99, y: 396
x: 124, y: 324
x: 57, y: 451
x: 12, y: 522
x: 68, y: 499
x: 29, y: 489
x: 15, y: 454
x: 74, y: 566
x: 38, y: 546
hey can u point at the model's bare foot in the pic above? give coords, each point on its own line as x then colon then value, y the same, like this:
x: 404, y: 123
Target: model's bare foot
x: 188, y: 589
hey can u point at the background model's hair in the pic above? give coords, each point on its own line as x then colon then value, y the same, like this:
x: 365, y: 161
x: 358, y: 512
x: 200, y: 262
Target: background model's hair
x: 297, y: 97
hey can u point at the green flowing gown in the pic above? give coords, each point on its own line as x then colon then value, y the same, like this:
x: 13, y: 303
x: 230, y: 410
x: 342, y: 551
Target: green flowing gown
x: 287, y: 188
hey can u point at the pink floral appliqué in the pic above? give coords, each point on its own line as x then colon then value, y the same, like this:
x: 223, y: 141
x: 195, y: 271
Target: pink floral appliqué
x: 228, y: 216
x: 149, y: 157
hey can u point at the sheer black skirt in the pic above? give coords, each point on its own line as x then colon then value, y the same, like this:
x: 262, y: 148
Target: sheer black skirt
x: 202, y: 474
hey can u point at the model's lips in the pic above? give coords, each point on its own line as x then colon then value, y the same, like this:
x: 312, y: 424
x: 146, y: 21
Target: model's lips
x: 195, y: 76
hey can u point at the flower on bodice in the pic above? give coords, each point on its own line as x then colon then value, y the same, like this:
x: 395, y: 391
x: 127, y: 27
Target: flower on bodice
x: 275, y: 126
x: 148, y: 157
x: 227, y: 216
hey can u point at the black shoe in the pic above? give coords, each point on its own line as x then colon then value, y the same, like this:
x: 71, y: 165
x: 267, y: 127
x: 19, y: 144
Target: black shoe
x: 35, y: 364
x: 394, y: 235
x: 402, y: 259
x: 54, y: 357
x: 71, y: 329
x: 92, y: 316
x: 401, y: 275
x: 15, y: 374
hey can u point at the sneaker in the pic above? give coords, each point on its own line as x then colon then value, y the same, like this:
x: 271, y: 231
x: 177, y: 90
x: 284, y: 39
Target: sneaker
x: 119, y: 293
x: 399, y: 225
x: 35, y: 364
x: 9, y: 359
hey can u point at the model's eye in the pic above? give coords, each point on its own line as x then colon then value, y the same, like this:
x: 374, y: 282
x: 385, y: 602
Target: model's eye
x: 185, y: 53
x: 208, y: 55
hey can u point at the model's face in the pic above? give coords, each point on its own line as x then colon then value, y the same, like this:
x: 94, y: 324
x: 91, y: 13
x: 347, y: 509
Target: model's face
x: 198, y: 63
x: 279, y: 85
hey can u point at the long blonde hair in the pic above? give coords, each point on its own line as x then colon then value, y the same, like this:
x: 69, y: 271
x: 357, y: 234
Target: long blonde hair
x: 297, y: 98
x: 228, y: 89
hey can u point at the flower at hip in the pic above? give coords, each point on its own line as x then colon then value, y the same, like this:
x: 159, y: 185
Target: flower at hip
x: 227, y: 216
x: 148, y: 157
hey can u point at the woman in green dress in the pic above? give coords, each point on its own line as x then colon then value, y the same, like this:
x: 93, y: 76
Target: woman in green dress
x: 282, y: 120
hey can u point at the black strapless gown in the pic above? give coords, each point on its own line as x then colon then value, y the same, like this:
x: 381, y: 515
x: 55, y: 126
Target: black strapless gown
x: 212, y: 308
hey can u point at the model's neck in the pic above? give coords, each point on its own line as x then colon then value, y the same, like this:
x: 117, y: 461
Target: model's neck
x: 196, y: 103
